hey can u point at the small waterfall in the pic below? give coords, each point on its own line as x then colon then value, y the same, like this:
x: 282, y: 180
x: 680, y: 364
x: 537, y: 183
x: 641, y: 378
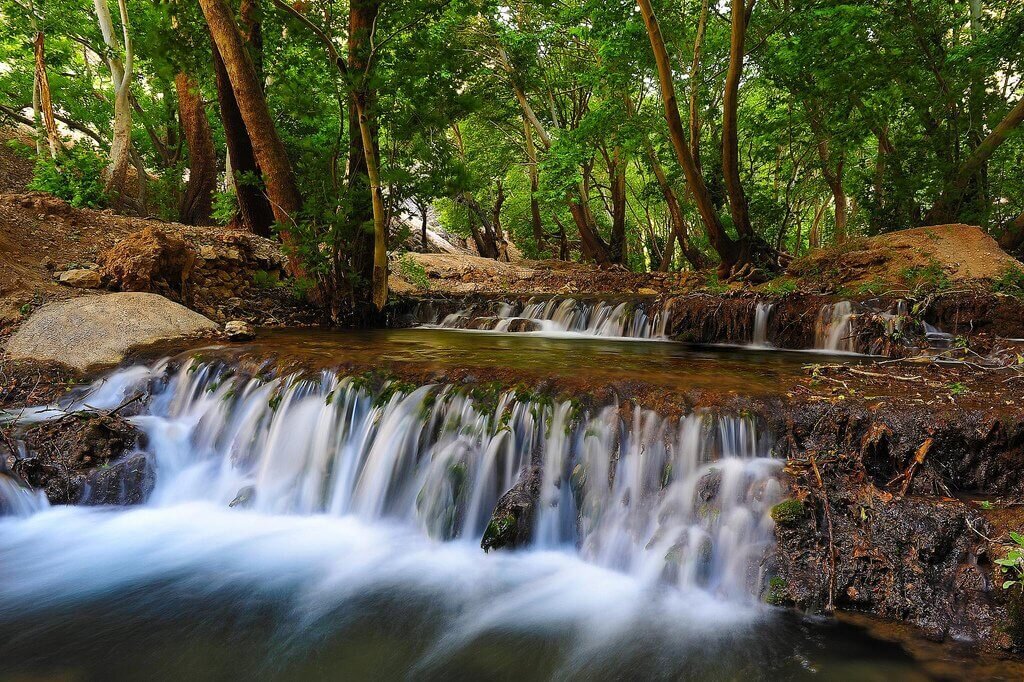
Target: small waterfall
x: 559, y: 315
x: 762, y: 315
x: 680, y: 502
x: 834, y: 328
x: 17, y: 500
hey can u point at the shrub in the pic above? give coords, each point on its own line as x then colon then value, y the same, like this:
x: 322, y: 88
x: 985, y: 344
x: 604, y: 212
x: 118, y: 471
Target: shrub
x: 413, y: 272
x: 225, y: 206
x: 76, y: 176
x: 1010, y: 281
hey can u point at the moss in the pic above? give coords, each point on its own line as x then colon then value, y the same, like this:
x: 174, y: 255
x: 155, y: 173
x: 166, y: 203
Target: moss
x: 495, y: 536
x: 776, y: 595
x: 788, y: 512
x: 1015, y: 610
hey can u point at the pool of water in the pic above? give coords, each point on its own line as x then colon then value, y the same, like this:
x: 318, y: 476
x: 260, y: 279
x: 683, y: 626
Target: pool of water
x: 356, y: 551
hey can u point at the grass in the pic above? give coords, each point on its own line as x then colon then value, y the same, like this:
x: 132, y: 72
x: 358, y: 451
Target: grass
x: 413, y: 272
x: 930, y: 277
x: 1010, y: 282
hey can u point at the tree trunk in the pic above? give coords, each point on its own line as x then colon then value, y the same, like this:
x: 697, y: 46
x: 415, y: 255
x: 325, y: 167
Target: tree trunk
x: 282, y: 191
x: 730, y: 138
x: 1012, y: 238
x: 717, y: 235
x: 694, y: 83
x: 617, y: 176
x: 121, y: 75
x: 539, y: 237
x: 197, y: 202
x: 253, y: 207
x: 42, y: 87
x: 949, y: 203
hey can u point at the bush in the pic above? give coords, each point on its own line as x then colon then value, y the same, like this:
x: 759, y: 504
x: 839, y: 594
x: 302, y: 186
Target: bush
x: 225, y: 206
x: 76, y: 176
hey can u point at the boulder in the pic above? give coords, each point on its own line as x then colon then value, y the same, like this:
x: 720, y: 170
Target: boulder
x: 150, y: 260
x: 511, y: 523
x: 85, y: 456
x: 95, y: 331
x: 239, y: 330
x: 81, y: 278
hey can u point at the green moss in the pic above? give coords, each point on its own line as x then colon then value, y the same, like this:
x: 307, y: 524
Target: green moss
x: 495, y: 536
x: 776, y: 595
x: 780, y: 286
x: 787, y: 512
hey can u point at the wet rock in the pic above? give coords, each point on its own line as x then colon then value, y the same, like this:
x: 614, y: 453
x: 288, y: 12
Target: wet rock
x: 81, y: 453
x: 81, y: 278
x: 244, y: 498
x: 239, y: 330
x: 92, y: 331
x: 150, y: 261
x: 511, y: 524
x: 124, y: 482
x: 520, y: 324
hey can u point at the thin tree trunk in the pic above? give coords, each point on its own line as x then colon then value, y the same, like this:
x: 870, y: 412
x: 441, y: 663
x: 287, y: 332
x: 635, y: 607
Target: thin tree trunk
x: 948, y: 205
x: 730, y: 138
x: 254, y: 208
x: 694, y: 82
x: 121, y: 73
x: 197, y: 202
x: 282, y: 191
x: 617, y: 176
x: 717, y: 235
x: 42, y: 87
x: 539, y: 237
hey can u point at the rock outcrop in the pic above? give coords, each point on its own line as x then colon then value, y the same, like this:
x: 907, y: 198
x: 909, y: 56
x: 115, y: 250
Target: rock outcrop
x: 150, y: 260
x: 95, y: 331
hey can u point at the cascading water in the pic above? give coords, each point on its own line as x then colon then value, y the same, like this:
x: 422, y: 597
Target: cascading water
x: 561, y: 316
x: 762, y: 314
x: 833, y: 329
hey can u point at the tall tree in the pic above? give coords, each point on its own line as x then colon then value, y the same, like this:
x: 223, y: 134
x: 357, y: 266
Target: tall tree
x: 121, y: 74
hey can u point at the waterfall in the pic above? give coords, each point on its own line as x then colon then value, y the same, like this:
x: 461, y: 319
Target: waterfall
x: 558, y: 316
x: 17, y: 500
x: 680, y: 502
x: 833, y: 329
x: 761, y: 316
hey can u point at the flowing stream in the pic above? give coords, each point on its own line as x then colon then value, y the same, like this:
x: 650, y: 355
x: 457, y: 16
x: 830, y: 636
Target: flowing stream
x: 311, y: 526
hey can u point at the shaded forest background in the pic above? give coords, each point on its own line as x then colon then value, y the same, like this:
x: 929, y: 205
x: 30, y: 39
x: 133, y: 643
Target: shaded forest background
x: 650, y: 135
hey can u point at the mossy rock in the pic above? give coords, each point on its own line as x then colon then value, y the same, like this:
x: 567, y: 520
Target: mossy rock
x: 788, y: 512
x: 777, y: 589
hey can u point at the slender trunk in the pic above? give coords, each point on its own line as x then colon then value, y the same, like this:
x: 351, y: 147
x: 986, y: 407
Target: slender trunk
x: 42, y: 88
x: 617, y: 175
x: 670, y: 252
x: 717, y: 235
x: 694, y: 82
x: 949, y: 203
x: 730, y: 138
x: 253, y: 207
x: 423, y: 228
x: 499, y: 234
x: 197, y: 203
x: 282, y: 191
x: 539, y: 237
x: 121, y: 73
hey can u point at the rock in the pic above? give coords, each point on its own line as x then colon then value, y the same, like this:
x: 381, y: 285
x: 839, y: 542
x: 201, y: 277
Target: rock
x: 207, y: 252
x: 522, y: 324
x: 94, y: 331
x: 152, y: 261
x: 647, y: 291
x: 81, y: 279
x: 128, y: 481
x: 244, y: 498
x: 239, y: 330
x: 68, y: 457
x: 511, y: 524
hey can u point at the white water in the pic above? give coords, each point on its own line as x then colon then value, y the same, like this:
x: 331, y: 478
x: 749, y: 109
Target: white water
x: 762, y: 315
x: 563, y: 316
x: 356, y: 494
x: 833, y: 329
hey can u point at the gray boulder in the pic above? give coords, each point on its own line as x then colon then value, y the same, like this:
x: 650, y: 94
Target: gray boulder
x: 96, y: 331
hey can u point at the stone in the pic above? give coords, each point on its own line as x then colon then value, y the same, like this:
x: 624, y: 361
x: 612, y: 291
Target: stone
x: 511, y: 524
x: 81, y: 279
x: 647, y: 291
x: 207, y: 252
x: 239, y: 330
x: 150, y: 260
x: 101, y: 330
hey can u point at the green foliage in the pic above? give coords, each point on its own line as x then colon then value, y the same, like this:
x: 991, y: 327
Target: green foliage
x: 76, y: 176
x: 413, y: 272
x: 225, y: 206
x: 780, y: 286
x: 930, y: 277
x: 1010, y: 281
x: 776, y: 595
x: 1011, y: 564
x: 957, y: 388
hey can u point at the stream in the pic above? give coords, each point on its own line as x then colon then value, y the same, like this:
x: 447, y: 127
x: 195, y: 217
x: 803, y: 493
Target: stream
x: 319, y: 525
